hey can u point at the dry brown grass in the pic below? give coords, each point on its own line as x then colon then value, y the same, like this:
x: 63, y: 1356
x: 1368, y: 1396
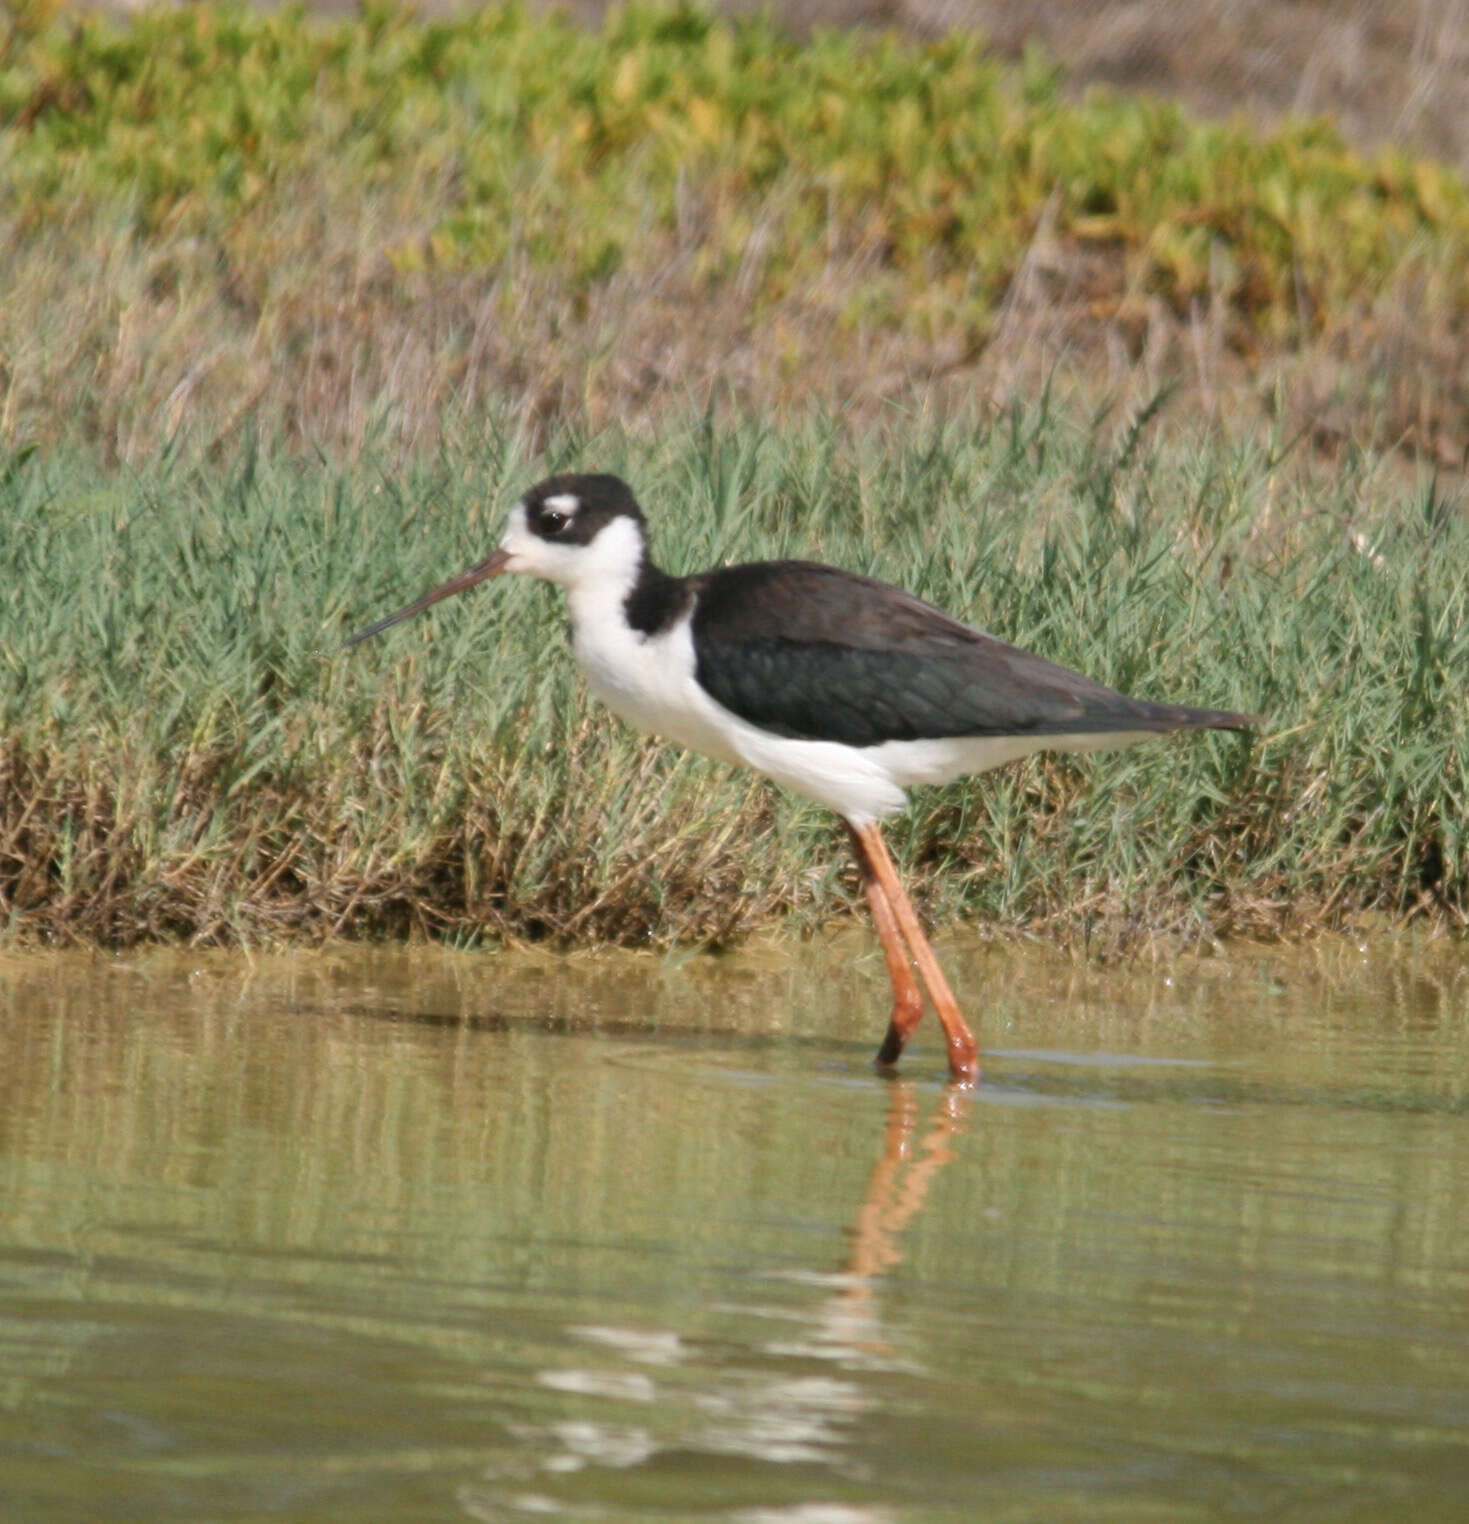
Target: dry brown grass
x: 166, y: 343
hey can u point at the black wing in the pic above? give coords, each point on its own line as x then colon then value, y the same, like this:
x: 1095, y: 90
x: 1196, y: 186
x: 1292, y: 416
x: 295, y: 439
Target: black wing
x: 817, y: 653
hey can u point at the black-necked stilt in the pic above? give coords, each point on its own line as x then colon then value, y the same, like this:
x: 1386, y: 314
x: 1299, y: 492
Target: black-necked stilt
x: 843, y: 689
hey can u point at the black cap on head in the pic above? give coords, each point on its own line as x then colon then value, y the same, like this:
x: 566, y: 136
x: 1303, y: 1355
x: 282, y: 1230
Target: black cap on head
x: 571, y: 508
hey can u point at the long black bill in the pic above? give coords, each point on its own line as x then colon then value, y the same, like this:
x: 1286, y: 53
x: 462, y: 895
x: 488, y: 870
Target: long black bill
x: 492, y: 567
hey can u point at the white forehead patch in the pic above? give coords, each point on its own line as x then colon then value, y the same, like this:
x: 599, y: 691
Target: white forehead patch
x: 563, y: 502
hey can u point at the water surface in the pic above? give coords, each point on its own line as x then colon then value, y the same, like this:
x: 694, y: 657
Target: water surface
x: 413, y: 1235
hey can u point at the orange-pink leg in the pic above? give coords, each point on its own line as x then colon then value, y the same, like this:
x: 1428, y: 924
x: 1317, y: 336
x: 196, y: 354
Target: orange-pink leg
x: 897, y: 923
x: 907, y: 997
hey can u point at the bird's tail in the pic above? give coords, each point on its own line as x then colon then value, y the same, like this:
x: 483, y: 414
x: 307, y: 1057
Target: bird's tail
x: 1182, y: 717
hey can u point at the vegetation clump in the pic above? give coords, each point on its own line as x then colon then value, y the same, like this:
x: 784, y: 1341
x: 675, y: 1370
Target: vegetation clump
x: 188, y: 752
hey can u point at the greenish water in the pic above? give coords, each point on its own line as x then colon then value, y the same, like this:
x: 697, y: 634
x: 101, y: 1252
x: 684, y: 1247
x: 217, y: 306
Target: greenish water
x: 389, y: 1236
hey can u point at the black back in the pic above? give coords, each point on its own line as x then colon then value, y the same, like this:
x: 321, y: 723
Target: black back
x: 817, y: 653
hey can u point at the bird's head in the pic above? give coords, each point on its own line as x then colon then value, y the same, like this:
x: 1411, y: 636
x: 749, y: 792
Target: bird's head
x: 571, y: 529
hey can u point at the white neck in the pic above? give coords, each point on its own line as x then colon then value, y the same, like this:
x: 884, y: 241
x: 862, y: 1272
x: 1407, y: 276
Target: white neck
x: 601, y: 577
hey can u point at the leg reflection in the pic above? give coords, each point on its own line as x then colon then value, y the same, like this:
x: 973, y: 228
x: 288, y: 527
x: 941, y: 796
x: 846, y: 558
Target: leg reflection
x: 896, y: 1192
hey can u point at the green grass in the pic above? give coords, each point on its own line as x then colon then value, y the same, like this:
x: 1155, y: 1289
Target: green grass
x: 574, y: 142
x: 189, y: 754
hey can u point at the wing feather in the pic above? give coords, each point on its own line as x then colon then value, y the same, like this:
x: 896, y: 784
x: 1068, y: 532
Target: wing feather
x: 816, y: 653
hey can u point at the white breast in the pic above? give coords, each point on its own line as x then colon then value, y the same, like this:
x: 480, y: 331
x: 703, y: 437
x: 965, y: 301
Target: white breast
x: 648, y: 680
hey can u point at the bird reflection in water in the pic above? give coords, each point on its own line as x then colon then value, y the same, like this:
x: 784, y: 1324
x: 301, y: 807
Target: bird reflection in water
x: 651, y: 1398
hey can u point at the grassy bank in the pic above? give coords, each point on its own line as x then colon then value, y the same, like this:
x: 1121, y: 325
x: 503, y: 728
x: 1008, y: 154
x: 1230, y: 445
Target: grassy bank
x: 188, y: 754
x: 335, y: 231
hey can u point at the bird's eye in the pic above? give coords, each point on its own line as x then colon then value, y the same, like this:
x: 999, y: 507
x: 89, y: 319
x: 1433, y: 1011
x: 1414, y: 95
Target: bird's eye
x: 554, y: 522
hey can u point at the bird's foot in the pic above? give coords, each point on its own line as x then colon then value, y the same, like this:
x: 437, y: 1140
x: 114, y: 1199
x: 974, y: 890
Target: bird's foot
x: 963, y: 1060
x: 906, y: 1015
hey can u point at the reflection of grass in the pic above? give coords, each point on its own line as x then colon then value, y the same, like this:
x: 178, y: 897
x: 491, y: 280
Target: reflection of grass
x: 230, y: 215
x: 189, y: 754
